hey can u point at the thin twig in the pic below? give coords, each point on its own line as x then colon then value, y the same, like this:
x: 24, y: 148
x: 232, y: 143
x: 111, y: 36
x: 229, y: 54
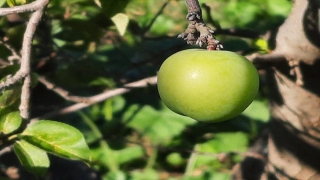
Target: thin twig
x: 26, y: 49
x: 62, y: 92
x: 263, y: 61
x: 6, y: 150
x: 24, y: 8
x: 14, y: 53
x: 102, y: 97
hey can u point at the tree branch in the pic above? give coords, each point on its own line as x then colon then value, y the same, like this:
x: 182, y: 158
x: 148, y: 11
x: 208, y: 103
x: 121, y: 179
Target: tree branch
x: 263, y: 61
x: 38, y: 4
x: 102, y: 97
x: 62, y: 92
x: 25, y: 68
x: 14, y: 56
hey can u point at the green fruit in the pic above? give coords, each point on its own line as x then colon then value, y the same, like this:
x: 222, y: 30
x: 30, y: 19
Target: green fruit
x: 209, y: 86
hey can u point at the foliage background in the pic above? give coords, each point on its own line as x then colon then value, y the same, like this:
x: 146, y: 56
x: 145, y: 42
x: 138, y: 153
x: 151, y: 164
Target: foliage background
x: 134, y: 136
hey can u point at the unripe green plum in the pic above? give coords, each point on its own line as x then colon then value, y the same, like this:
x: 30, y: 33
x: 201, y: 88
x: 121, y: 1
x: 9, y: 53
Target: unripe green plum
x: 209, y: 86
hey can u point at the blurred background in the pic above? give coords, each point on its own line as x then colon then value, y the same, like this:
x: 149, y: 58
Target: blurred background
x: 86, y: 47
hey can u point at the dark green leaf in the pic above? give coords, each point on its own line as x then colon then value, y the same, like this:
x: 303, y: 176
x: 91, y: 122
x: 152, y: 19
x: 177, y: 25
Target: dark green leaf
x: 32, y: 158
x: 111, y: 8
x: 10, y: 95
x: 57, y: 138
x: 11, y: 69
x: 10, y: 122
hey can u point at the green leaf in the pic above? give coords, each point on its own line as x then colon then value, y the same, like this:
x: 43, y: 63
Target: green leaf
x: 225, y: 142
x: 145, y: 174
x: 34, y: 79
x: 121, y: 21
x: 11, y: 3
x: 162, y: 25
x: 10, y: 122
x: 57, y: 138
x: 32, y: 158
x: 221, y: 142
x: 160, y: 125
x: 129, y: 154
x: 258, y: 110
x: 111, y: 8
x: 261, y: 45
x: 6, y: 70
x: 9, y: 96
x: 2, y: 2
x: 118, y: 175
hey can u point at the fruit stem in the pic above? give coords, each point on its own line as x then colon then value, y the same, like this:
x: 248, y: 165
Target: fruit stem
x: 196, y: 24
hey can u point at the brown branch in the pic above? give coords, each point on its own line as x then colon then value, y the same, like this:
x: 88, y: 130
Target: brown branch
x: 102, y: 97
x: 26, y: 46
x: 39, y: 4
x: 263, y: 61
x: 25, y: 69
x: 25, y: 62
x: 62, y: 92
x: 197, y: 31
x: 6, y: 150
x: 14, y: 56
x: 25, y: 98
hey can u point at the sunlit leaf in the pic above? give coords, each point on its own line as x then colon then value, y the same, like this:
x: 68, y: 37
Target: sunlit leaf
x: 2, y: 2
x: 11, y: 3
x: 159, y: 125
x: 57, y: 138
x: 258, y: 110
x: 221, y: 142
x: 31, y: 157
x: 10, y: 122
x: 118, y: 175
x: 261, y: 45
x: 145, y: 174
x: 121, y: 21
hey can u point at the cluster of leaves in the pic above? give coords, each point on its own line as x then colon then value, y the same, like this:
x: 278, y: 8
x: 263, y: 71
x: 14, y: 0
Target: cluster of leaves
x: 32, y: 143
x: 88, y: 46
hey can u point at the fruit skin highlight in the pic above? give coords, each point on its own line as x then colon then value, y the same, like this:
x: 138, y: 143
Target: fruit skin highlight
x: 208, y: 86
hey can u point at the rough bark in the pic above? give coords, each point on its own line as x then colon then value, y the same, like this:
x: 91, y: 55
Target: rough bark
x: 294, y: 141
x: 294, y: 130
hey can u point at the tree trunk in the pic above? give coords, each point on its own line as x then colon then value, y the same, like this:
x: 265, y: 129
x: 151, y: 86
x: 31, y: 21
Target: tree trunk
x: 294, y: 129
x: 294, y: 139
